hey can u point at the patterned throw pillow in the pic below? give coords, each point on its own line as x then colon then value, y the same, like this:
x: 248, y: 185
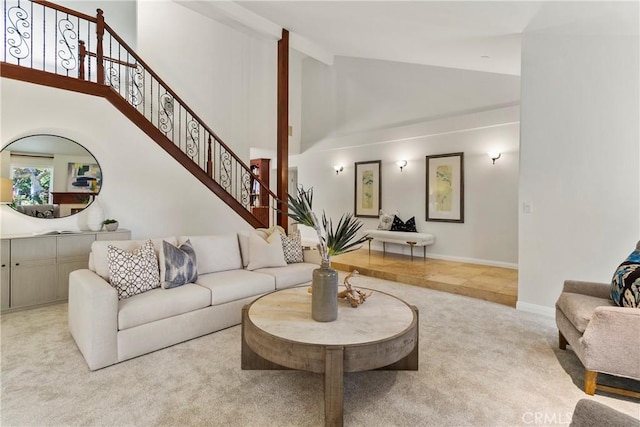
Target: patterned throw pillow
x: 625, y: 286
x: 132, y: 273
x: 399, y: 225
x: 292, y: 248
x: 180, y: 265
x: 386, y: 219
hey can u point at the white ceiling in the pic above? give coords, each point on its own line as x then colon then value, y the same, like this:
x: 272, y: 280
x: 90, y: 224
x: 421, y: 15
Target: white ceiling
x: 473, y: 35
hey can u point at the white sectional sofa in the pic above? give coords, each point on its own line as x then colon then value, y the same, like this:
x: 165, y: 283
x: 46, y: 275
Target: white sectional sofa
x: 108, y: 330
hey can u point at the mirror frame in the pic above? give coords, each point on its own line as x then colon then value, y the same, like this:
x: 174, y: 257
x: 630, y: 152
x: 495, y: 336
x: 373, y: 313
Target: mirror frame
x: 64, y: 196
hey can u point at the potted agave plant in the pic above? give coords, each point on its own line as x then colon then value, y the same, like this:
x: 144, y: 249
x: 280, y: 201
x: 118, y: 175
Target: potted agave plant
x: 342, y: 239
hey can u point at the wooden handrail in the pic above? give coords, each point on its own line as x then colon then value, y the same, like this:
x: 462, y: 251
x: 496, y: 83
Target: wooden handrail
x: 228, y: 181
x: 107, y: 58
x: 64, y: 9
x: 177, y: 98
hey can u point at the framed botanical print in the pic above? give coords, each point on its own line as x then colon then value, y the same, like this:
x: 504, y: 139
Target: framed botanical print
x: 368, y: 189
x: 445, y: 187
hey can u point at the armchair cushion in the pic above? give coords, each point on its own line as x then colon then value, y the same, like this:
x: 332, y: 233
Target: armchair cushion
x: 625, y: 286
x: 579, y: 308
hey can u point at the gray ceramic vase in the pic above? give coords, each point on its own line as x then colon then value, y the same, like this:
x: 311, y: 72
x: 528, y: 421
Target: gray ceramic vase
x: 324, y: 294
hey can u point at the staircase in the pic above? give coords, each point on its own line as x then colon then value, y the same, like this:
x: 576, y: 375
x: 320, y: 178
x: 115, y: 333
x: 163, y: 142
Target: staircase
x: 55, y: 46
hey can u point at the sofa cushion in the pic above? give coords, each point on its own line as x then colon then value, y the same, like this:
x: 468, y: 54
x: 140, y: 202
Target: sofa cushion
x: 134, y: 272
x: 265, y: 253
x: 180, y: 265
x: 98, y: 258
x: 625, y: 285
x: 233, y: 285
x: 293, y: 274
x: 161, y: 304
x: 579, y: 308
x: 292, y: 248
x: 215, y: 253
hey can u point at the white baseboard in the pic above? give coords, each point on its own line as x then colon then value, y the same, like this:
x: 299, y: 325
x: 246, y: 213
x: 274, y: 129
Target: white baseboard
x: 472, y: 260
x: 536, y: 309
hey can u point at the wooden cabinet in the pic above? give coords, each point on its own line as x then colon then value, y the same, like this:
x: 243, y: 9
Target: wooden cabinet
x: 260, y: 198
x: 4, y: 274
x: 35, y: 269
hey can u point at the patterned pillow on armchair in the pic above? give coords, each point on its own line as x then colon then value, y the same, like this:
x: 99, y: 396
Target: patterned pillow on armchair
x: 625, y: 286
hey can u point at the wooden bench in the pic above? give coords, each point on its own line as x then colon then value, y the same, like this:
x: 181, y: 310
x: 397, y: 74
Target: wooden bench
x: 401, y: 238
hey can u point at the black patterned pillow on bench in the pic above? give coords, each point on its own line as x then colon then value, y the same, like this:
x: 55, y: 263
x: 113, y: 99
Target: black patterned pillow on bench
x: 399, y: 225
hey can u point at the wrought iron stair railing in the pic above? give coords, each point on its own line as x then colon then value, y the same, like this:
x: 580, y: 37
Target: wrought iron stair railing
x: 49, y: 44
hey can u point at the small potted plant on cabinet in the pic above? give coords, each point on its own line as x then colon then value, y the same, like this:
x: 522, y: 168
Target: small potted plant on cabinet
x: 110, y: 224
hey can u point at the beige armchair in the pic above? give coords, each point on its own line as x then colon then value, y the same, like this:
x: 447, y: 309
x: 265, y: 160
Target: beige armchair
x: 605, y: 337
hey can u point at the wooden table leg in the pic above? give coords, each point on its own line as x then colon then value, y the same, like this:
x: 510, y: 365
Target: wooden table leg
x: 333, y: 386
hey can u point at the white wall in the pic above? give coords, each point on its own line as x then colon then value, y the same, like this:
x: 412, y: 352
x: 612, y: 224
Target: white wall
x: 143, y: 187
x: 357, y: 95
x: 226, y: 76
x: 359, y: 110
x: 120, y: 15
x: 489, y: 233
x: 580, y: 150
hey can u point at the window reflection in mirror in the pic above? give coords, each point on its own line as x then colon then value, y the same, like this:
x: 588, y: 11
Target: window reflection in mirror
x: 49, y: 176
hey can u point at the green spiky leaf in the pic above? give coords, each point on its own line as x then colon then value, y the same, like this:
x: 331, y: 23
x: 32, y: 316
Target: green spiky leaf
x: 341, y: 240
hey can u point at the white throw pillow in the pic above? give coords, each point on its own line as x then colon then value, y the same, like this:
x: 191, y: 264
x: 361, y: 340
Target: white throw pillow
x: 265, y: 253
x: 133, y: 272
x: 386, y: 219
x: 215, y: 253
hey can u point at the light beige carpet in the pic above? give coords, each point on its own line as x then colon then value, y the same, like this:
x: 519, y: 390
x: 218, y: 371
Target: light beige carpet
x: 481, y: 364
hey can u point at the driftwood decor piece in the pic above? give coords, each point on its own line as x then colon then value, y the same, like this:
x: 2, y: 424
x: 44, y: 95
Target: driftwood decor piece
x: 354, y: 296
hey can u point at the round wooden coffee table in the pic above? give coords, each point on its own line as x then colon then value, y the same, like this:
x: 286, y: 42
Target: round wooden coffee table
x: 279, y: 333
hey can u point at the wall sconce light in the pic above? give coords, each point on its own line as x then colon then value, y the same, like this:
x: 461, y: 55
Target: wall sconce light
x: 401, y: 164
x: 494, y: 155
x: 338, y: 169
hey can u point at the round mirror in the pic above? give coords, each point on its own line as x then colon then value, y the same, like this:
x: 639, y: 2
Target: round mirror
x: 48, y: 176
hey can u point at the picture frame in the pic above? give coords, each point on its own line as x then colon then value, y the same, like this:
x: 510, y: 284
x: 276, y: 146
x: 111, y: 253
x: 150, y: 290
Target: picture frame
x: 84, y: 178
x: 368, y: 189
x: 445, y: 187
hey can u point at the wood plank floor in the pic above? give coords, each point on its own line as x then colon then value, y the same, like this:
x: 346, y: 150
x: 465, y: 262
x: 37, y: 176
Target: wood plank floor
x: 494, y: 284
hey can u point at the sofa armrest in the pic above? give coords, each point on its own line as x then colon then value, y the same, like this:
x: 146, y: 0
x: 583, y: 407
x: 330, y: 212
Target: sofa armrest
x: 594, y: 289
x: 611, y: 341
x: 93, y: 318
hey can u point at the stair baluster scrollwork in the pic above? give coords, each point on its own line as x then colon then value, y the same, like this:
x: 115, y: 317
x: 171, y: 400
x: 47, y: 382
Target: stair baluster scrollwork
x: 73, y: 41
x: 66, y: 54
x: 165, y: 113
x: 17, y: 32
x: 136, y: 87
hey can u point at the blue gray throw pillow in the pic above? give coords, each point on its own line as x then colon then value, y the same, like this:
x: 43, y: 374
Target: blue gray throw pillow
x: 180, y: 265
x: 625, y: 286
